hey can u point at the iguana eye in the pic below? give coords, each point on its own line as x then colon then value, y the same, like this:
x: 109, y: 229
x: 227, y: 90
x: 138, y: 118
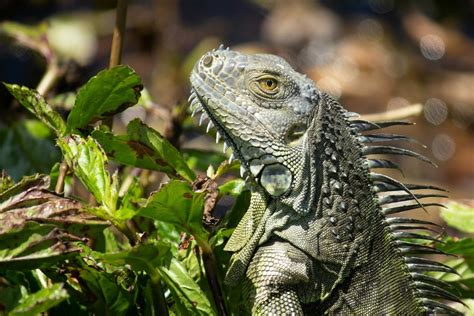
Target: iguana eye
x: 268, y: 84
x: 294, y: 134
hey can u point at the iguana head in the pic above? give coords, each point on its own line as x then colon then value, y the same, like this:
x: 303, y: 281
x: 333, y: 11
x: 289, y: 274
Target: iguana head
x: 263, y: 109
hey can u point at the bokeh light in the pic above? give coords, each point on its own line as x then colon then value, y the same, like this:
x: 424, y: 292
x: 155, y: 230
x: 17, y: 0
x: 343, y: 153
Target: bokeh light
x: 443, y: 147
x: 435, y: 111
x: 432, y: 47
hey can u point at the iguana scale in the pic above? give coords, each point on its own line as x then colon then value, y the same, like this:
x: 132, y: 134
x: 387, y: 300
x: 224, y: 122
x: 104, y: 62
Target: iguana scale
x: 317, y: 237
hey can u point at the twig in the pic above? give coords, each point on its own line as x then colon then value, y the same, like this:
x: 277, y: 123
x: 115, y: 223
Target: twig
x: 119, y: 33
x: 398, y: 114
x: 63, y: 168
x: 51, y: 76
x: 117, y: 44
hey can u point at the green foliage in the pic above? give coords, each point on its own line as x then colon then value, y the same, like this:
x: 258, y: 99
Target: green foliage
x: 109, y: 92
x: 36, y: 104
x: 144, y: 147
x: 459, y: 216
x: 124, y: 252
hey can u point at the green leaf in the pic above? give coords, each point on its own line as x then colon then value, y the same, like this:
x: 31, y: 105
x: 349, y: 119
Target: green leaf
x: 6, y: 181
x: 463, y: 264
x: 88, y: 161
x: 459, y: 216
x: 24, y: 151
x: 178, y: 204
x: 232, y: 187
x: 189, y: 297
x: 35, y: 103
x: 145, y: 148
x: 167, y: 154
x: 100, y: 289
x: 143, y: 257
x: 40, y: 301
x: 40, y: 228
x: 109, y: 92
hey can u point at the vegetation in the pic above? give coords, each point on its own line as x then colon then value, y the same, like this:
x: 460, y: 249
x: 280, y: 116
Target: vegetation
x: 82, y: 233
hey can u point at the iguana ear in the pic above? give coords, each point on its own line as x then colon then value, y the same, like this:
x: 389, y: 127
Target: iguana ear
x: 307, y: 179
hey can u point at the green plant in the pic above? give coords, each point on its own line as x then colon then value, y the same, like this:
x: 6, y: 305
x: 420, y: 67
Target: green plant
x: 124, y: 250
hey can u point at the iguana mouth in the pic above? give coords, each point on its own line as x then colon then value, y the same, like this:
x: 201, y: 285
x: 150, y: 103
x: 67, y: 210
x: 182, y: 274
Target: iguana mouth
x: 198, y: 104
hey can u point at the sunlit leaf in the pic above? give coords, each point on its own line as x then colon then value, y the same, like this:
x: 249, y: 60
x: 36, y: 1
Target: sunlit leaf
x: 459, y: 216
x: 35, y: 103
x: 232, y: 187
x: 167, y: 154
x: 187, y: 293
x: 40, y: 301
x: 178, y: 204
x: 109, y: 92
x: 88, y: 162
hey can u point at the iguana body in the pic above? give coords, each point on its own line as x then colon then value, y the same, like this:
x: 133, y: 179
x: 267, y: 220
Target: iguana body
x: 315, y: 239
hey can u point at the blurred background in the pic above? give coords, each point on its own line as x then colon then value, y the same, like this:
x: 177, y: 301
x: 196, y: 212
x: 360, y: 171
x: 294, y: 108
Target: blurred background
x: 374, y: 56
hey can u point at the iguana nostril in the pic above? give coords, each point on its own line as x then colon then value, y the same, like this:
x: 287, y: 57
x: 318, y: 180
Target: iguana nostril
x: 207, y: 61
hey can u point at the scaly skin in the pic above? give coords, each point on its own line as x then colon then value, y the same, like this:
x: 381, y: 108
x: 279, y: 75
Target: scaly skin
x: 315, y: 239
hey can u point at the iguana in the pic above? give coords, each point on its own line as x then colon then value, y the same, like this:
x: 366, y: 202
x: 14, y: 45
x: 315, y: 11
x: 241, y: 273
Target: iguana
x: 317, y: 237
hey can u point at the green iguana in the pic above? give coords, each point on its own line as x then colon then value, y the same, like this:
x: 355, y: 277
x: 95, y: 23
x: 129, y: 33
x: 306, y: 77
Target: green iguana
x: 317, y: 238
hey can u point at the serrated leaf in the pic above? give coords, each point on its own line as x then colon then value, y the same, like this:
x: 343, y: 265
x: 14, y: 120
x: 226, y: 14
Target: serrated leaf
x: 40, y: 228
x: 187, y: 293
x: 88, y: 161
x: 145, y: 148
x: 109, y: 92
x: 459, y: 216
x: 40, y: 301
x: 178, y: 204
x: 35, y: 103
x: 167, y: 154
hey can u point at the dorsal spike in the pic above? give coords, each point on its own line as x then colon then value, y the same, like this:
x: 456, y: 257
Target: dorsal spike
x: 424, y: 264
x: 377, y: 177
x: 408, y: 220
x: 383, y: 163
x: 411, y: 248
x: 387, y: 187
x: 375, y: 138
x: 404, y: 208
x: 362, y: 125
x: 414, y: 227
x: 391, y: 150
x: 428, y: 292
x: 387, y: 199
x: 403, y: 234
x: 427, y: 279
x: 435, y: 306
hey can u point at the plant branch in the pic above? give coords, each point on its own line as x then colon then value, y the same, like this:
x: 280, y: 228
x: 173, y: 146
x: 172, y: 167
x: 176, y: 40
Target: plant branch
x: 119, y: 33
x: 117, y: 44
x: 397, y: 114
x: 63, y: 168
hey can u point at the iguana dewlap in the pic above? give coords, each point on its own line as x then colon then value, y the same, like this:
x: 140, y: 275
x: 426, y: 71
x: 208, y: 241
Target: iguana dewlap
x: 316, y: 238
